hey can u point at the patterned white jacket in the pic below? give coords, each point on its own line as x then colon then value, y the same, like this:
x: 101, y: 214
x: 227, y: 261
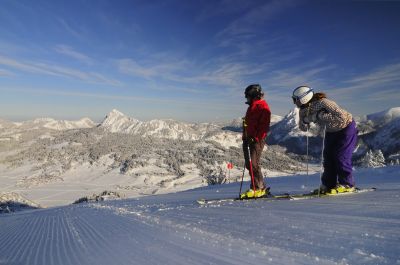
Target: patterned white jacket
x: 327, y: 113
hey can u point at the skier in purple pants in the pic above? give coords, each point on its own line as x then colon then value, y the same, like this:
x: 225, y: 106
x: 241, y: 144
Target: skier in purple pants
x: 340, y: 137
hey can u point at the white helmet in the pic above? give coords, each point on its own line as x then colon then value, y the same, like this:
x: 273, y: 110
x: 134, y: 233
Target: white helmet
x: 302, y: 94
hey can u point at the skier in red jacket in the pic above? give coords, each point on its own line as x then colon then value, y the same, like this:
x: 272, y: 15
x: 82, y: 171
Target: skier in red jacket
x: 255, y: 129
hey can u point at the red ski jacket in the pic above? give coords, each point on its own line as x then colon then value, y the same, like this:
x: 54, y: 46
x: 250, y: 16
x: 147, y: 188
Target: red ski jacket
x: 258, y: 118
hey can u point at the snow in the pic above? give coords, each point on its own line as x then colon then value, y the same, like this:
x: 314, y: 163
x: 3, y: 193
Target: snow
x: 385, y: 116
x: 174, y: 229
x: 85, y: 179
x: 60, y: 125
x: 227, y: 139
x: 117, y: 122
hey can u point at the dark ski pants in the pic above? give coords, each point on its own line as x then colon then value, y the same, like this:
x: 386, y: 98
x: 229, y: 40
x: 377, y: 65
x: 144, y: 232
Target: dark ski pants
x: 339, y: 147
x: 256, y: 149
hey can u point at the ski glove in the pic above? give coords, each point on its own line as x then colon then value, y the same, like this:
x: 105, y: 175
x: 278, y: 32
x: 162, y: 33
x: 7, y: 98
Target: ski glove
x: 250, y: 140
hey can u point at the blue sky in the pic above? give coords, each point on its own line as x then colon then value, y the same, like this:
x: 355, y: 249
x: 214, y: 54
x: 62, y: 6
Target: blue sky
x: 191, y: 60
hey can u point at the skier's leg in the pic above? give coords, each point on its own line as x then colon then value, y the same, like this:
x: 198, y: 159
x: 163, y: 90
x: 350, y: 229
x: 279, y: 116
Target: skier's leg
x: 256, y: 152
x: 347, y: 140
x: 246, y: 155
x: 329, y: 177
x: 249, y: 165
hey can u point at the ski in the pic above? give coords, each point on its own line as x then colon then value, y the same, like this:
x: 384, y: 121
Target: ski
x: 322, y: 195
x: 284, y: 196
x: 269, y: 197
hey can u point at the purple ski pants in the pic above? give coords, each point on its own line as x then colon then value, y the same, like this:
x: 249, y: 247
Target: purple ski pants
x: 339, y: 147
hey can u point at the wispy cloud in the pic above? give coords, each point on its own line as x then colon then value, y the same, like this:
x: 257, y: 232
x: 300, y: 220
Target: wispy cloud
x: 26, y: 67
x: 226, y: 74
x: 68, y: 28
x: 68, y: 51
x: 133, y: 68
x: 194, y: 103
x: 310, y: 73
x: 221, y: 73
x: 384, y: 96
x: 244, y: 26
x: 58, y: 92
x: 383, y: 75
x: 4, y: 72
x: 381, y: 78
x: 56, y: 70
x: 222, y: 8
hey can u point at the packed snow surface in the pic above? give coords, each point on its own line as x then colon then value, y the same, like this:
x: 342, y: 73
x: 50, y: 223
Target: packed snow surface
x: 173, y: 229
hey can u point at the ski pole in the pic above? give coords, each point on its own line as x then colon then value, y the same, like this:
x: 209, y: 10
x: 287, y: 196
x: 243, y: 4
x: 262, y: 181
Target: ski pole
x: 307, y: 158
x: 307, y: 153
x: 322, y: 161
x: 308, y: 128
x: 241, y: 183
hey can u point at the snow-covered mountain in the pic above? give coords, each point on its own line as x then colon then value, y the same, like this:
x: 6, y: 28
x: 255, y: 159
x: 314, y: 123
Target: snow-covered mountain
x: 287, y: 133
x: 384, y: 117
x: 47, y: 123
x: 386, y: 137
x: 117, y: 122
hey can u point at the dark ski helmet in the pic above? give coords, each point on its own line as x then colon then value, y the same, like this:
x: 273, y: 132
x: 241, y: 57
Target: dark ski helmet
x: 253, y: 91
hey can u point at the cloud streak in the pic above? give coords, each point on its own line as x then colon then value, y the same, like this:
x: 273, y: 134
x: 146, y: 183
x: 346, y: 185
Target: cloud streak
x: 383, y: 77
x: 245, y: 26
x: 68, y: 51
x: 5, y: 73
x: 209, y: 103
x: 55, y: 70
x: 220, y: 73
x: 68, y: 28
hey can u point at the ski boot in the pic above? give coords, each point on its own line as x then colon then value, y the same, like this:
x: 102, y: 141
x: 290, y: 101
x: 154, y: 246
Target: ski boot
x: 254, y: 194
x: 340, y: 189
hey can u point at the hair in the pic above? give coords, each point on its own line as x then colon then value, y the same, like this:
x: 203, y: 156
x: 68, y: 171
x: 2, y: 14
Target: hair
x: 318, y: 96
x: 254, y: 91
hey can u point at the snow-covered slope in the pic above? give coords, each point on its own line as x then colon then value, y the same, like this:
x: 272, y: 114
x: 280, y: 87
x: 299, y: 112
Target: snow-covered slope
x: 11, y: 202
x: 67, y: 125
x: 173, y: 229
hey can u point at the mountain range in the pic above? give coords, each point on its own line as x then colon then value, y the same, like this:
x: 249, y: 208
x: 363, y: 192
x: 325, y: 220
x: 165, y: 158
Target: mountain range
x: 56, y: 162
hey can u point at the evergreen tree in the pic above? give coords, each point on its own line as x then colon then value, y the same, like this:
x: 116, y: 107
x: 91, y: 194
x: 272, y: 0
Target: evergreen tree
x: 373, y: 159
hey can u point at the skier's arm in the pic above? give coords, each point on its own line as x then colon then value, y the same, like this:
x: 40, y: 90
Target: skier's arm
x: 265, y: 120
x: 302, y: 124
x: 263, y: 123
